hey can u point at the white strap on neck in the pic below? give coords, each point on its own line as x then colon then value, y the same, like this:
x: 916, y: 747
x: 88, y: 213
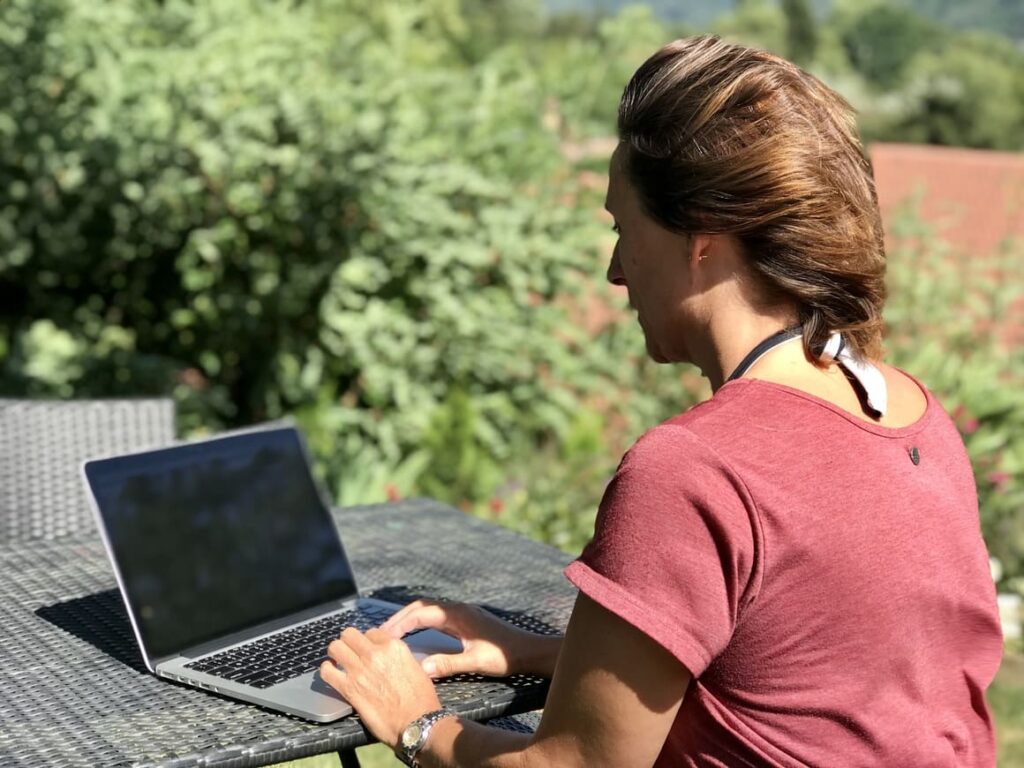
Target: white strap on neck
x: 868, y: 375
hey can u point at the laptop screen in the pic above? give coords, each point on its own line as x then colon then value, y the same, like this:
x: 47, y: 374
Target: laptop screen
x: 217, y: 536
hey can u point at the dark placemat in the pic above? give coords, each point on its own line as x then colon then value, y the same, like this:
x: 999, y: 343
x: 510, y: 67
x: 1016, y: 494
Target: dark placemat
x: 74, y: 691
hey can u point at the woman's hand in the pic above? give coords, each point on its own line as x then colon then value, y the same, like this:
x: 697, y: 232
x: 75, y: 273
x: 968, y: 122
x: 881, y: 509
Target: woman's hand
x: 491, y: 646
x: 381, y: 679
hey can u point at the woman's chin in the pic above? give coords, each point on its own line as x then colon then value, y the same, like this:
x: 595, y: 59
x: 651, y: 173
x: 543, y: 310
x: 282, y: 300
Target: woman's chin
x: 656, y: 354
x: 671, y: 356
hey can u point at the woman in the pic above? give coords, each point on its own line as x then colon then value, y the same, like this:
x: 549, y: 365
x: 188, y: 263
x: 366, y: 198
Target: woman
x: 790, y: 573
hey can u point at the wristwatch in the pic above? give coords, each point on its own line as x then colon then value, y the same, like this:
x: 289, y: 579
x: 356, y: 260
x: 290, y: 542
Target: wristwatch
x: 414, y: 737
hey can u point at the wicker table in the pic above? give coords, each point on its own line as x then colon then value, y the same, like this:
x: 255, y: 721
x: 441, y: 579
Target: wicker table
x: 74, y: 691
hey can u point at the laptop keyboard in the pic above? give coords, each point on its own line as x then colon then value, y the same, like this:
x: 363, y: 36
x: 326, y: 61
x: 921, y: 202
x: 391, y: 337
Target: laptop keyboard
x: 274, y: 659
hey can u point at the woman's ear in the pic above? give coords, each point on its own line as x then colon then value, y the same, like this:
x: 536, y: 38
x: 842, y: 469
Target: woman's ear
x: 698, y: 248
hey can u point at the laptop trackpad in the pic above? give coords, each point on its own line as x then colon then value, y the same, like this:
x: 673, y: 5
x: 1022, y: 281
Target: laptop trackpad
x: 430, y: 641
x: 318, y: 685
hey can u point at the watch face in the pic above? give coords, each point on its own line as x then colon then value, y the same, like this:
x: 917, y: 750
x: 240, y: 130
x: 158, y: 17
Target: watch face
x: 411, y: 735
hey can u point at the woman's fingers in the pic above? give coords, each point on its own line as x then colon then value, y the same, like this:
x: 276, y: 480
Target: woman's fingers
x: 422, y: 616
x: 378, y: 636
x: 342, y: 652
x: 355, y: 640
x: 404, y: 611
x: 351, y: 647
x: 401, y: 613
x: 448, y: 664
x: 334, y: 677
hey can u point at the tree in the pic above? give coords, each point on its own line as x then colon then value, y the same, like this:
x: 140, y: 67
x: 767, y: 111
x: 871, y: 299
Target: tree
x: 801, y: 31
x: 965, y: 96
x: 755, y: 22
x: 883, y: 39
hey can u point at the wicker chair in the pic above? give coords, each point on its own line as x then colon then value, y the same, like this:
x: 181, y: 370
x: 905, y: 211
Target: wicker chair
x: 42, y: 445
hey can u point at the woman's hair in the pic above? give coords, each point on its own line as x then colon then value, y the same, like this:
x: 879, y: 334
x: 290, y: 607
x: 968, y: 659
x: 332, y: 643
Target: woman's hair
x: 720, y: 138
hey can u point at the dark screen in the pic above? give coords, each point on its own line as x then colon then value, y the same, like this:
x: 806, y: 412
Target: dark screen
x: 218, y: 536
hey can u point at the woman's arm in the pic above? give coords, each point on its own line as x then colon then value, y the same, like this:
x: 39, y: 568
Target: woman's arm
x: 613, y: 698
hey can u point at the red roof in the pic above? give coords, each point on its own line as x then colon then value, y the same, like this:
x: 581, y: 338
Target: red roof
x: 973, y: 198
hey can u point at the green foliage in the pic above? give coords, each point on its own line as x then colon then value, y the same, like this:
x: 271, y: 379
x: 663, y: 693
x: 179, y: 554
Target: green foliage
x: 474, y: 29
x: 967, y: 96
x: 701, y: 12
x: 759, y: 23
x: 947, y: 325
x: 179, y: 216
x: 585, y: 74
x: 461, y: 466
x: 1005, y: 17
x: 801, y: 31
x: 882, y: 40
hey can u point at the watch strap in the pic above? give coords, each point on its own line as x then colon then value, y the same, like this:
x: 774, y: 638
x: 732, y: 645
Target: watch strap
x: 426, y: 723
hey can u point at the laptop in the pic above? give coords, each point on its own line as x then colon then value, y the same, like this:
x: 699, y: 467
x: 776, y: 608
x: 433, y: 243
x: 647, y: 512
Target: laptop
x: 232, y: 570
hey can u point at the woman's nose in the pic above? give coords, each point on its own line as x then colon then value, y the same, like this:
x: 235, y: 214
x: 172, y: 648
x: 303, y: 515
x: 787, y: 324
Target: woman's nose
x: 615, y: 274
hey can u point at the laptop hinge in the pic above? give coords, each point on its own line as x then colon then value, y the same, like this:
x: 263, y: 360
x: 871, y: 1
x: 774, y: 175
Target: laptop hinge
x: 265, y: 628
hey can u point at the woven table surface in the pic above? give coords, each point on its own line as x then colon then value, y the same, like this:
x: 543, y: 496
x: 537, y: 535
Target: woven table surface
x: 74, y: 690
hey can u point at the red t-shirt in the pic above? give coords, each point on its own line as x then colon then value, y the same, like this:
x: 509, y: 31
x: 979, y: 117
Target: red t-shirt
x: 831, y: 597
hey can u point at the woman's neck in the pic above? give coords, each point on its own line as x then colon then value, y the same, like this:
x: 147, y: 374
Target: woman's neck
x: 726, y: 347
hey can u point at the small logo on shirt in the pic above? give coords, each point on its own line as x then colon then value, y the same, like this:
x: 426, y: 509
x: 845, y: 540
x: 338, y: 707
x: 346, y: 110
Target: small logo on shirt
x: 915, y: 455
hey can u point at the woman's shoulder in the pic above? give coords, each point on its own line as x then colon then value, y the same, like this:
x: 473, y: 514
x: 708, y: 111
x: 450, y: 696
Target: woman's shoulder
x: 909, y: 399
x: 688, y: 440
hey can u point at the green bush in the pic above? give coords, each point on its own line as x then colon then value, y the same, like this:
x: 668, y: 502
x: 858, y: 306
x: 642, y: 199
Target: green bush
x: 272, y: 208
x: 949, y: 317
x: 882, y: 40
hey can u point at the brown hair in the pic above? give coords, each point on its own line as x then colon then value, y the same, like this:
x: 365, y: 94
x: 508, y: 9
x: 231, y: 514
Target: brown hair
x: 720, y: 138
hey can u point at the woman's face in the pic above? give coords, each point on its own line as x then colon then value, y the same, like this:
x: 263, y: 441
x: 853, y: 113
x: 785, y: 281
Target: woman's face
x: 654, y: 266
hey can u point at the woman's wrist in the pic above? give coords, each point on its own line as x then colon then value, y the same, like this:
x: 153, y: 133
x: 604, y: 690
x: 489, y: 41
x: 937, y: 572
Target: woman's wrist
x: 413, y: 739
x: 440, y: 744
x: 537, y: 654
x: 478, y: 745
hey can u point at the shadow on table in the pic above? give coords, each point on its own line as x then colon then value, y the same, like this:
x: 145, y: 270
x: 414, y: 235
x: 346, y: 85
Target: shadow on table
x: 101, y: 620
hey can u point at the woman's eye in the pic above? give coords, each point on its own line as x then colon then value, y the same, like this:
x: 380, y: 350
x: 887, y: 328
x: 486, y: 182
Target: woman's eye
x: 615, y: 228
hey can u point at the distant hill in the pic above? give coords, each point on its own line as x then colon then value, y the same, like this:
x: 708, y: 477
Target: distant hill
x: 1005, y: 17
x: 698, y: 12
